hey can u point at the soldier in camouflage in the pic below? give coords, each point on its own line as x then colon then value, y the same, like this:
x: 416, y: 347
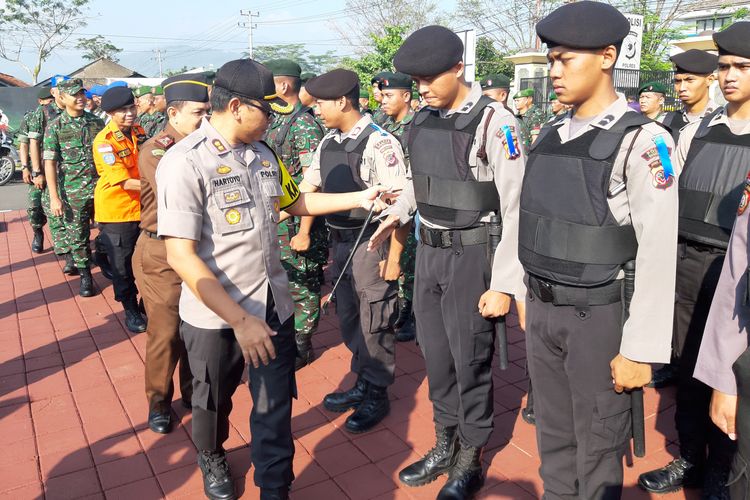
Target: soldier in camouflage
x: 71, y: 176
x: 303, y: 240
x: 396, y: 89
x: 378, y: 115
x: 530, y: 117
x: 157, y: 119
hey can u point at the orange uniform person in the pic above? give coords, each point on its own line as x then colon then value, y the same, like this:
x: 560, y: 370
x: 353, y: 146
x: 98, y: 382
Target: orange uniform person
x: 117, y: 204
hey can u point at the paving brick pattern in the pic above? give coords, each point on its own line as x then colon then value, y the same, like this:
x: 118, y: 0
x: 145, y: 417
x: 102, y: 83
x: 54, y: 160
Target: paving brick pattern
x: 73, y: 411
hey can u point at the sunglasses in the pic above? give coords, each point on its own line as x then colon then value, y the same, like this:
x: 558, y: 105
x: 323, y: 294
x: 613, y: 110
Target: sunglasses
x: 268, y: 112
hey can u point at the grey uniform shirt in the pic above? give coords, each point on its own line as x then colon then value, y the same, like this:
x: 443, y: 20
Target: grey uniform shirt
x: 229, y: 203
x: 382, y: 159
x: 507, y: 272
x: 650, y: 203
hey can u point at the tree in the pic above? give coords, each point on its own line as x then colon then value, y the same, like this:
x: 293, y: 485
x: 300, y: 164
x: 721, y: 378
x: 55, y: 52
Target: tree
x: 658, y: 30
x: 173, y: 72
x: 490, y: 60
x: 380, y: 57
x: 39, y: 25
x: 316, y: 63
x: 97, y: 47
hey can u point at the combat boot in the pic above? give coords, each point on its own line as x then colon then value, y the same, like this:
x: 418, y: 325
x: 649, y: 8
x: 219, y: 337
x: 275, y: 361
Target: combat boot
x: 70, y: 268
x: 439, y: 460
x: 133, y: 319
x: 217, y: 478
x: 305, y: 353
x: 466, y: 477
x: 37, y: 244
x: 373, y: 408
x: 405, y: 322
x: 341, y: 401
x: 675, y: 475
x: 87, y: 283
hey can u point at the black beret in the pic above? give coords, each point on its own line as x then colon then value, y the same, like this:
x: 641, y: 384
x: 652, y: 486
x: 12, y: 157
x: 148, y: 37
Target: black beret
x: 375, y: 80
x: 734, y: 40
x: 698, y: 62
x: 116, y: 98
x: 187, y: 87
x: 583, y: 25
x: 332, y: 85
x: 429, y: 51
x: 498, y: 81
x: 283, y: 67
x: 250, y: 79
x: 396, y: 81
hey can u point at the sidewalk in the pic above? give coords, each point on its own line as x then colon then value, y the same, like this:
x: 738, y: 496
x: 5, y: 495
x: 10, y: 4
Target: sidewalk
x: 73, y: 410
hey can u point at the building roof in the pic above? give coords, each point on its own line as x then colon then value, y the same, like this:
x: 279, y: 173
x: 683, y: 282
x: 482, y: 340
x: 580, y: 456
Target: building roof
x: 98, y: 71
x: 714, y: 5
x: 11, y: 81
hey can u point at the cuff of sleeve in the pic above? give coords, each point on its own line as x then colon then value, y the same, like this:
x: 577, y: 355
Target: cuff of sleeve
x: 716, y: 378
x: 185, y: 225
x: 402, y: 213
x: 49, y: 155
x: 644, y: 353
x: 34, y: 135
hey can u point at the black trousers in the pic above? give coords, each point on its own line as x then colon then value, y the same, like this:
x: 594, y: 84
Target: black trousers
x: 739, y: 480
x: 217, y: 364
x: 698, y: 270
x: 582, y: 424
x: 366, y: 306
x: 119, y: 239
x: 457, y: 342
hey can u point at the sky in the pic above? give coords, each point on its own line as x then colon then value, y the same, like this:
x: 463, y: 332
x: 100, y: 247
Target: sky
x: 198, y: 33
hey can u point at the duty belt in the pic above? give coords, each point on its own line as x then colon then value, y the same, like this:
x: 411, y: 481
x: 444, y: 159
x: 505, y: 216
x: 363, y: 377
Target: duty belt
x: 346, y: 235
x: 564, y: 295
x: 151, y: 235
x: 445, y: 238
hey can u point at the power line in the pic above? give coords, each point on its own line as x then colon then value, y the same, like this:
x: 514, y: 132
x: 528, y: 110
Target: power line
x: 249, y: 25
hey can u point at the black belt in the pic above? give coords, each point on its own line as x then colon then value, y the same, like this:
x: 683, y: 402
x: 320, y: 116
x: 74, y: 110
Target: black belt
x: 444, y: 238
x: 151, y: 235
x: 564, y: 295
x: 346, y: 235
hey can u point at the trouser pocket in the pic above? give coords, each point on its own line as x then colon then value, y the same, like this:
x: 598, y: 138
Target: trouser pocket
x: 610, y: 423
x: 380, y: 312
x: 739, y: 483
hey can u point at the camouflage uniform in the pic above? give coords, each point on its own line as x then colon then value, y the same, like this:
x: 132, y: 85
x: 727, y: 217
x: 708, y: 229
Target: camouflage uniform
x: 37, y: 123
x: 34, y: 209
x: 153, y: 123
x: 379, y: 116
x: 408, y: 257
x: 69, y: 140
x: 305, y: 271
x: 531, y: 123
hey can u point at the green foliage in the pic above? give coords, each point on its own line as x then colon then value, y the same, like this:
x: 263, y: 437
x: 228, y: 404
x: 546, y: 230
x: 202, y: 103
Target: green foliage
x: 380, y: 56
x: 490, y: 60
x: 173, y: 72
x: 98, y: 47
x: 738, y: 15
x: 316, y: 63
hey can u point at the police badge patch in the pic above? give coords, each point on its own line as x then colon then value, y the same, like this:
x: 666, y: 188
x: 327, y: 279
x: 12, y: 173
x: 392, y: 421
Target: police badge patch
x: 659, y: 179
x: 745, y: 196
x: 507, y: 134
x: 233, y: 216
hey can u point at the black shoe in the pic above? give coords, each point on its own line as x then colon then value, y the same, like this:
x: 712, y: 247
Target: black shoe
x: 341, y: 401
x: 466, y: 477
x: 404, y: 313
x: 305, y: 353
x: 370, y: 411
x: 101, y: 260
x: 37, y: 244
x: 70, y: 268
x: 217, y: 478
x: 663, y: 377
x: 87, y: 283
x: 715, y: 482
x: 437, y: 461
x: 675, y: 475
x: 133, y: 319
x: 274, y: 493
x: 406, y: 331
x: 159, y: 421
x: 527, y: 414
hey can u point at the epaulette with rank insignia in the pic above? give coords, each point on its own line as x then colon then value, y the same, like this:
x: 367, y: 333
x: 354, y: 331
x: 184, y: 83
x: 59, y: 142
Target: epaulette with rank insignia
x: 165, y: 141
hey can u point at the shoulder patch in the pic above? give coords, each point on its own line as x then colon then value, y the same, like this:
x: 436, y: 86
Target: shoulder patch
x: 745, y: 196
x: 158, y: 152
x: 165, y: 141
x: 508, y: 135
x: 660, y: 179
x: 109, y: 158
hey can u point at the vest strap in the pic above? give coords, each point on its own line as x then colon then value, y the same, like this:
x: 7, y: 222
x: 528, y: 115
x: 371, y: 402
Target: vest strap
x: 459, y: 195
x: 465, y: 119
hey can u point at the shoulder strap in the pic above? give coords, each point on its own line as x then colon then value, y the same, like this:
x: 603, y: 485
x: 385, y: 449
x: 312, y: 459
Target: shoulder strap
x: 482, y: 151
x: 607, y: 141
x: 422, y: 115
x: 703, y: 128
x: 546, y: 129
x: 352, y: 144
x: 465, y: 119
x: 279, y: 139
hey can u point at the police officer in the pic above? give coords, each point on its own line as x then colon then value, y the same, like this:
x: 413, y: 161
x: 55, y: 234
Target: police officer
x: 529, y: 115
x: 355, y: 155
x: 651, y: 99
x: 117, y: 206
x: 220, y: 191
x: 159, y: 284
x: 715, y: 152
x: 497, y: 87
x: 467, y: 165
x: 303, y: 241
x: 71, y: 175
x: 34, y: 208
x: 396, y: 91
x: 598, y: 176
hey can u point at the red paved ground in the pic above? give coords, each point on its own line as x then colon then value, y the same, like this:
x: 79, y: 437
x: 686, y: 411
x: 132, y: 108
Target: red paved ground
x: 73, y: 410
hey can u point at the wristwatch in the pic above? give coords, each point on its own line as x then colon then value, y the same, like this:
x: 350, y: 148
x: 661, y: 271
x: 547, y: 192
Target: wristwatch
x: 35, y: 174
x: 26, y: 167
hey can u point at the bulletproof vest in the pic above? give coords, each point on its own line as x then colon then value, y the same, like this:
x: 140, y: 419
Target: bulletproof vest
x: 339, y: 171
x: 567, y: 232
x: 712, y: 182
x: 446, y: 191
x: 674, y: 121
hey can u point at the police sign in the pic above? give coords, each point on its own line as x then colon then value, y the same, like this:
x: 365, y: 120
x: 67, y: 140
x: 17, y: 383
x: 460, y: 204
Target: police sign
x: 630, y: 53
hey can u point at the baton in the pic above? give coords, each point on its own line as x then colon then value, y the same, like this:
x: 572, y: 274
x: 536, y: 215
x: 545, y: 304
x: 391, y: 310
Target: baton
x: 636, y: 395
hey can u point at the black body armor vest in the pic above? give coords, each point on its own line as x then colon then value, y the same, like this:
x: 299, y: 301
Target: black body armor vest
x: 567, y: 232
x: 674, y: 121
x: 446, y: 191
x: 339, y: 171
x: 712, y: 182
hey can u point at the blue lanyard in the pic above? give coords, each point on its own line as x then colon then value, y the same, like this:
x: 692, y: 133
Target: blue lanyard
x: 666, y: 161
x: 512, y: 151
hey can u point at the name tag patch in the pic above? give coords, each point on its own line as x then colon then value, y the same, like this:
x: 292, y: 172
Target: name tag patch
x: 226, y: 181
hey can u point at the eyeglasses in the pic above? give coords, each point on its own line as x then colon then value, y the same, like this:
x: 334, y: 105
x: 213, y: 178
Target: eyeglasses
x: 268, y: 112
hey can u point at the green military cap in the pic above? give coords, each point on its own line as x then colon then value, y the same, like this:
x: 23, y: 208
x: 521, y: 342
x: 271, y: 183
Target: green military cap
x: 375, y: 80
x: 142, y: 90
x: 496, y: 81
x: 158, y: 90
x: 657, y: 87
x: 524, y: 93
x: 363, y: 93
x: 552, y: 96
x: 44, y: 93
x: 395, y: 81
x: 210, y: 76
x: 305, y: 77
x: 284, y: 67
x: 71, y: 87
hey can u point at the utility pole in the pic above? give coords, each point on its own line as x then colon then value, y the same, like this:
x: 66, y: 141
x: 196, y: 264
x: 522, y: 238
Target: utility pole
x: 250, y: 26
x: 158, y: 58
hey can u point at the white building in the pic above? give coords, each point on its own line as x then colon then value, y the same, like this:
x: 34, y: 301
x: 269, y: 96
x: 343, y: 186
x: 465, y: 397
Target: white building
x: 709, y: 15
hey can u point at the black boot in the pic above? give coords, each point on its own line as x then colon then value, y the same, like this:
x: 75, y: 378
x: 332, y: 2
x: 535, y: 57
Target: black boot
x: 217, y: 478
x: 342, y: 401
x: 405, y: 322
x: 70, y: 268
x: 466, y: 477
x: 370, y: 411
x: 100, y: 259
x: 37, y: 244
x: 675, y: 475
x: 527, y: 414
x: 305, y: 354
x: 87, y: 283
x: 133, y: 319
x: 437, y: 461
x: 274, y: 493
